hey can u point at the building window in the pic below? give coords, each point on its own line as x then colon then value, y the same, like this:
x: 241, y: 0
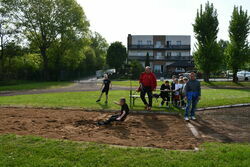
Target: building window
x: 179, y: 54
x: 149, y: 42
x: 158, y: 44
x: 159, y: 55
x: 168, y: 43
x: 157, y: 68
x: 139, y: 42
x: 169, y: 54
x: 178, y: 43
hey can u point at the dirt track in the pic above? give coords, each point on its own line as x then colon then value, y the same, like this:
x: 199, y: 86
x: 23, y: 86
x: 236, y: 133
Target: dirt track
x: 149, y: 130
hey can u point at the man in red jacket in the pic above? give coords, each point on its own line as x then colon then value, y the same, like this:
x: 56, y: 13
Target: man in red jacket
x: 147, y: 84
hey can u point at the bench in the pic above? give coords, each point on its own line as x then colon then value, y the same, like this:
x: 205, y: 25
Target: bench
x: 136, y: 96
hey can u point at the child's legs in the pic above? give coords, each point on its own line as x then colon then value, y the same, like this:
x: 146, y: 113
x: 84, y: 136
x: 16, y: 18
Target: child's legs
x: 107, y: 93
x: 111, y: 119
x: 163, y: 99
x: 168, y: 100
x: 100, y: 96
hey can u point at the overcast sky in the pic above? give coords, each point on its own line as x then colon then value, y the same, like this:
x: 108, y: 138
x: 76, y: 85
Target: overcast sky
x: 115, y: 19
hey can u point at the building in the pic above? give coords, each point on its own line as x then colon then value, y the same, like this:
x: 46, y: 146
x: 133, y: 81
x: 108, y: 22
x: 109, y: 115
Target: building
x: 169, y: 54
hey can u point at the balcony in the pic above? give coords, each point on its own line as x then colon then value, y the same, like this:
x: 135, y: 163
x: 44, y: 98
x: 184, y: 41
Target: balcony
x: 161, y: 58
x: 157, y: 47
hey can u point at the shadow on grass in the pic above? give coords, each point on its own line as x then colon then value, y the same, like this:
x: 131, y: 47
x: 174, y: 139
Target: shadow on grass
x: 103, y: 106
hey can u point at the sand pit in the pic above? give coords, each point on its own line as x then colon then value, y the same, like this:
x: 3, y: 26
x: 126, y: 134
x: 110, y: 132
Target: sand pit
x: 148, y: 130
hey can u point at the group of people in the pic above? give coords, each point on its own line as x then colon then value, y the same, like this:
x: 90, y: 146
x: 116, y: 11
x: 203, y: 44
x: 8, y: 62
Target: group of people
x: 181, y: 92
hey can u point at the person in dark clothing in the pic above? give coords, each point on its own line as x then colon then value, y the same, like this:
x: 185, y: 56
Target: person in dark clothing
x: 106, y: 85
x: 147, y: 85
x: 119, y: 117
x: 174, y: 82
x: 165, y: 90
x: 192, y: 95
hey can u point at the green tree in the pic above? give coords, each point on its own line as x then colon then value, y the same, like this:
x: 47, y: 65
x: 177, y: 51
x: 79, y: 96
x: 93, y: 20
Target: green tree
x: 100, y: 46
x: 147, y: 61
x: 136, y: 69
x: 90, y: 59
x: 116, y: 55
x: 45, y: 21
x: 237, y: 50
x: 207, y: 56
x: 223, y: 45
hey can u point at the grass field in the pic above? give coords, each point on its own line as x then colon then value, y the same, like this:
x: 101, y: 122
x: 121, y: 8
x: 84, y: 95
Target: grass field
x: 215, y: 83
x: 35, y: 151
x: 28, y: 85
x: 210, y: 97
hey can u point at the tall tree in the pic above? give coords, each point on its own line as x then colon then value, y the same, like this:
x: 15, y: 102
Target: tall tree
x: 207, y: 56
x: 45, y: 21
x: 237, y: 50
x: 223, y: 45
x: 100, y: 46
x: 116, y: 55
x: 147, y: 61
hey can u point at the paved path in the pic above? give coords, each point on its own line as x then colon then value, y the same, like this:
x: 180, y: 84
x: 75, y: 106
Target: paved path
x: 88, y: 84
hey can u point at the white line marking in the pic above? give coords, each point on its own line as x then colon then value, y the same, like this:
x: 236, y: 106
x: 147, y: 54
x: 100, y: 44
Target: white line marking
x: 193, y: 130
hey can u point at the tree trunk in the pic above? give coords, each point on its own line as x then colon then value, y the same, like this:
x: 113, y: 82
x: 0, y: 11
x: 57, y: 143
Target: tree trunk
x: 235, y: 78
x: 45, y: 63
x: 206, y: 76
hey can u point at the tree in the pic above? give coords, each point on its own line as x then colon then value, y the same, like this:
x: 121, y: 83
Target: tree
x: 116, y: 55
x: 90, y: 59
x: 147, y: 61
x: 207, y: 56
x: 100, y: 46
x: 45, y: 21
x: 222, y: 46
x: 136, y: 69
x: 237, y: 50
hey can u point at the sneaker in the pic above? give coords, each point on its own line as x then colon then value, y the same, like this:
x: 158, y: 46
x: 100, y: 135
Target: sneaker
x: 193, y: 118
x: 186, y: 119
x: 98, y: 100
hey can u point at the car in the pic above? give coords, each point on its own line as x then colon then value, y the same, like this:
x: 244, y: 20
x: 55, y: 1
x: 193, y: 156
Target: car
x: 243, y: 75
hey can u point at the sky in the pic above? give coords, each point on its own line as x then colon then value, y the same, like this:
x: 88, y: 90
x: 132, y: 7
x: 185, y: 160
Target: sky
x: 115, y: 19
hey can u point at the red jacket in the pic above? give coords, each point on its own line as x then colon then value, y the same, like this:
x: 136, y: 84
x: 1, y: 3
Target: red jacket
x: 148, y: 79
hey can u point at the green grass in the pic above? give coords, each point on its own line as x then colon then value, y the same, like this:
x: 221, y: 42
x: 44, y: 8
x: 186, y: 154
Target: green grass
x: 28, y: 85
x: 213, y: 83
x: 210, y: 97
x: 31, y: 151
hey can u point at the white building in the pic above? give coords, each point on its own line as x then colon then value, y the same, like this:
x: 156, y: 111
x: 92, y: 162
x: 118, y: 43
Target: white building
x: 169, y: 54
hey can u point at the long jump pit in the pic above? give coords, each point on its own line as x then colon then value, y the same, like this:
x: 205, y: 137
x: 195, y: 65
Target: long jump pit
x: 166, y: 131
x: 138, y: 130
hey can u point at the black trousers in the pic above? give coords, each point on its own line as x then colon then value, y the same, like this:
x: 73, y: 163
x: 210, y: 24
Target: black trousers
x: 146, y: 90
x: 111, y: 119
x: 165, y: 98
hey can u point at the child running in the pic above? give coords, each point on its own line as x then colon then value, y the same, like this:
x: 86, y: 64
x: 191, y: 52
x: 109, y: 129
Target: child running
x: 165, y: 89
x: 119, y: 117
x: 105, y: 88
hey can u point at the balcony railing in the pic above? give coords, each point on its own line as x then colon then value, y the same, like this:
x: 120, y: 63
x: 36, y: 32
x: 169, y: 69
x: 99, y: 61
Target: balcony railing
x: 161, y: 58
x: 165, y: 47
